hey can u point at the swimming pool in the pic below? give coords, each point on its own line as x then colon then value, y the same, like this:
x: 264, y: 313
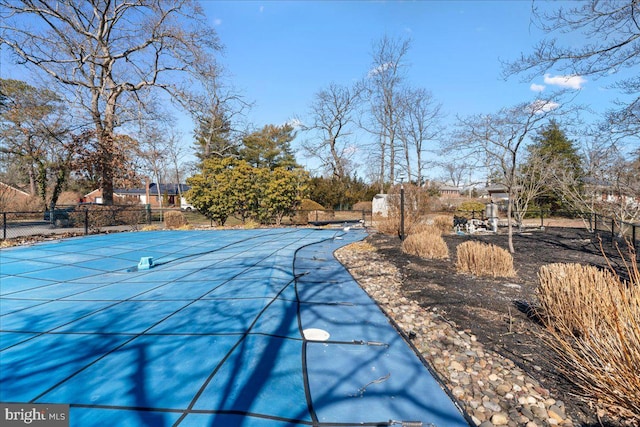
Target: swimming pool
x: 226, y: 328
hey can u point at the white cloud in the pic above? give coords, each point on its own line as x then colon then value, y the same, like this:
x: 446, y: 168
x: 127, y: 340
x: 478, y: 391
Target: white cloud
x: 536, y: 87
x: 351, y: 150
x: 295, y: 123
x: 380, y: 69
x: 571, y: 81
x: 217, y: 22
x: 540, y: 106
x: 261, y: 9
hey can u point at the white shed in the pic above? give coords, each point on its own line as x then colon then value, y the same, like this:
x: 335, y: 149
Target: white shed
x: 379, y: 205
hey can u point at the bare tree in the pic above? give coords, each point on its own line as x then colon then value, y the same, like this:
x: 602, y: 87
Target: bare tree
x: 531, y: 179
x: 610, y: 184
x: 623, y: 192
x: 36, y: 134
x: 501, y: 138
x: 383, y: 87
x: 153, y: 152
x: 420, y: 123
x: 175, y: 156
x: 110, y: 57
x: 332, y: 115
x: 610, y: 35
x: 219, y: 113
x: 455, y: 171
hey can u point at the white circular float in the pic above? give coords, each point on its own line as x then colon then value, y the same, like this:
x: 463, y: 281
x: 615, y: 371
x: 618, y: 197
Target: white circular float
x: 314, y: 334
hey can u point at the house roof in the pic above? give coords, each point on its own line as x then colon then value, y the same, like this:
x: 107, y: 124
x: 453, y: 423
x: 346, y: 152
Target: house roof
x: 596, y: 182
x: 496, y: 188
x: 12, y: 188
x: 445, y: 187
x: 169, y: 189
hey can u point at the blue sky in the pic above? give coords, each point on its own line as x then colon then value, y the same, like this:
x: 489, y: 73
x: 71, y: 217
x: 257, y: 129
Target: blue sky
x: 278, y: 54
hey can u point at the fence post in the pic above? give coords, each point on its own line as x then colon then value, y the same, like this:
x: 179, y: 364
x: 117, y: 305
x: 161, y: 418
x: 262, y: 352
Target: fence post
x: 541, y: 217
x: 4, y: 226
x: 595, y: 223
x: 86, y: 221
x: 612, y: 231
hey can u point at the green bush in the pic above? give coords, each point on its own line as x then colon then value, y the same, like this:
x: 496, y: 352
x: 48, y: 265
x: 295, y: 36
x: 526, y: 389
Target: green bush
x: 471, y: 206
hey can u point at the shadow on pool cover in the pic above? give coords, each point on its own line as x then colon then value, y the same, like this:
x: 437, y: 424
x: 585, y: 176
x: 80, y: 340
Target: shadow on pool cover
x: 211, y: 336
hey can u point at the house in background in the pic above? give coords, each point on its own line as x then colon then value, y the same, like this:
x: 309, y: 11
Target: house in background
x: 447, y: 191
x: 12, y: 198
x: 609, y: 193
x: 155, y: 195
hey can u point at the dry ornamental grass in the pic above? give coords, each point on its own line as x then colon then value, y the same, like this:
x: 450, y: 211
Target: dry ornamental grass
x: 174, y: 219
x: 422, y: 227
x: 443, y: 222
x: 481, y: 259
x: 593, y: 320
x: 426, y: 244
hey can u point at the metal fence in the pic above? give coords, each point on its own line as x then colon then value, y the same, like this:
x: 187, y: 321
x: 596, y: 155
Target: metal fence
x: 602, y: 226
x: 83, y: 220
x: 75, y: 220
x: 334, y: 217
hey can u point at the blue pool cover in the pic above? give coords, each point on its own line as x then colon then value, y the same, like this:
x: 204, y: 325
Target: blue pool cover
x: 227, y: 328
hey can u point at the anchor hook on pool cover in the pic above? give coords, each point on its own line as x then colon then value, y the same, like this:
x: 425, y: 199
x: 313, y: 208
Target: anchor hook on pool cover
x: 364, y: 387
x: 409, y: 423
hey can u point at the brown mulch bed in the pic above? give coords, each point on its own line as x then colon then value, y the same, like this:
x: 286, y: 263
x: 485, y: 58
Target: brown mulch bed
x: 499, y: 311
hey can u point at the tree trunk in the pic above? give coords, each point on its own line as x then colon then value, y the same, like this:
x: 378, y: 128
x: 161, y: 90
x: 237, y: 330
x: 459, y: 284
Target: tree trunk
x: 407, y: 158
x: 106, y: 135
x: 382, y: 151
x: 106, y: 144
x: 32, y: 181
x: 509, y: 227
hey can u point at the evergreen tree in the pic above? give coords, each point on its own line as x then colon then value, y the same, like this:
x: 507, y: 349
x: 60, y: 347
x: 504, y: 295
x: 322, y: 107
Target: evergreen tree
x: 340, y: 193
x: 269, y: 148
x: 213, y: 138
x: 232, y: 187
x: 556, y: 150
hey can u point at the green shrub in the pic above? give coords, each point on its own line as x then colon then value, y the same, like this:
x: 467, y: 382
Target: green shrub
x: 470, y: 206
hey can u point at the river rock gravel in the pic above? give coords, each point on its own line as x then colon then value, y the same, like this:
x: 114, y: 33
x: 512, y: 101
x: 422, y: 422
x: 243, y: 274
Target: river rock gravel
x: 490, y: 389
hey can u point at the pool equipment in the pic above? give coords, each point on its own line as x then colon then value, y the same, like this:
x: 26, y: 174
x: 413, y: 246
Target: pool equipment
x: 146, y: 262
